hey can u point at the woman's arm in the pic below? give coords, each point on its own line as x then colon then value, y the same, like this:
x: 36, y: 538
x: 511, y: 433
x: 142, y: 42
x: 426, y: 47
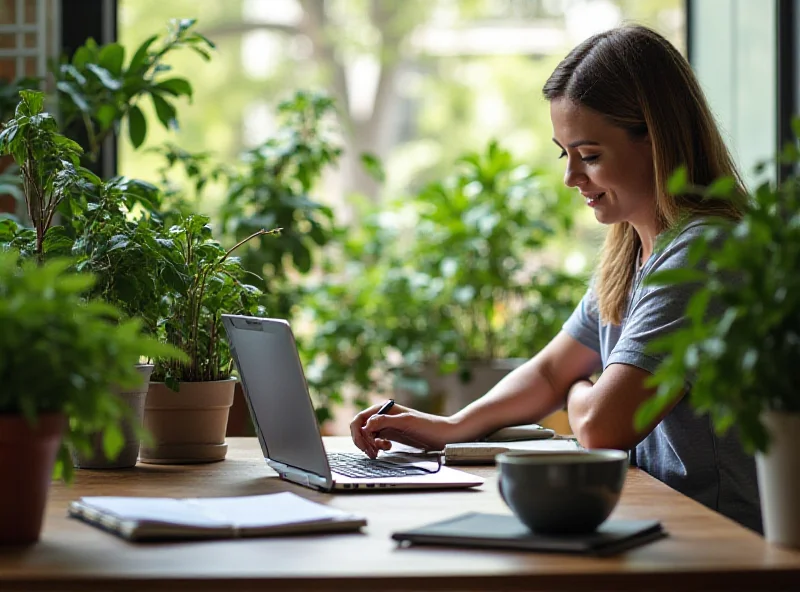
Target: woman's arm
x: 601, y: 414
x: 531, y: 392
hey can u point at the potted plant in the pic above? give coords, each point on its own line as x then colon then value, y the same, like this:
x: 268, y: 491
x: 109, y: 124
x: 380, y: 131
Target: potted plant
x: 744, y: 362
x: 128, y: 258
x: 186, y: 409
x: 60, y: 357
x: 122, y: 253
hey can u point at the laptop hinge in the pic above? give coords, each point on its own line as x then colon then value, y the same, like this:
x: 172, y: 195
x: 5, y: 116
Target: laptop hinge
x: 302, y: 477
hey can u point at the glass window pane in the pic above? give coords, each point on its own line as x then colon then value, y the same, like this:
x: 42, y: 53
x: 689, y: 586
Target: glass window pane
x: 733, y: 54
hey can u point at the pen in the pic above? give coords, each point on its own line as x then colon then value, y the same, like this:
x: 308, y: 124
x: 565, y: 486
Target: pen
x: 385, y: 407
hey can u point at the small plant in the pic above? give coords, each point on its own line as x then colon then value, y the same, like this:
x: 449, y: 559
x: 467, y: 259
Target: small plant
x: 273, y: 191
x: 743, y: 361
x: 97, y: 91
x: 60, y: 353
x: 48, y: 164
x: 201, y: 282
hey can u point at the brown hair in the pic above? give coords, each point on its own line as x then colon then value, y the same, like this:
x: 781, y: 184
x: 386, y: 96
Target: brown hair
x: 641, y: 83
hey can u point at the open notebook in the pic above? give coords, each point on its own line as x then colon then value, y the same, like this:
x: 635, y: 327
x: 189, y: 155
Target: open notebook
x: 159, y: 518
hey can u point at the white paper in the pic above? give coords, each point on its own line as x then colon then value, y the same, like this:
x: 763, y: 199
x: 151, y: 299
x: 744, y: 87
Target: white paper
x: 276, y: 509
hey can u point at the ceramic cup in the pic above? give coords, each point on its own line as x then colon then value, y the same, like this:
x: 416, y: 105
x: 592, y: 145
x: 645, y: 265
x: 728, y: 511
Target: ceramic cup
x: 562, y: 492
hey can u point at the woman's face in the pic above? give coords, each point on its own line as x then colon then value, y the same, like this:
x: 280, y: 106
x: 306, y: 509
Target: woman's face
x: 613, y: 171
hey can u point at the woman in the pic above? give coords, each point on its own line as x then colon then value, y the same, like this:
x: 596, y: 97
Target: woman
x: 626, y: 112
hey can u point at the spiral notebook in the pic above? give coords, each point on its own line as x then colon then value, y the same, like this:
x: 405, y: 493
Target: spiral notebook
x: 161, y: 518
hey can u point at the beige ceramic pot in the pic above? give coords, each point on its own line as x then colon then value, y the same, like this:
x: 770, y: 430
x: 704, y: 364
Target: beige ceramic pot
x: 134, y: 399
x: 187, y: 426
x: 27, y: 455
x: 779, y: 479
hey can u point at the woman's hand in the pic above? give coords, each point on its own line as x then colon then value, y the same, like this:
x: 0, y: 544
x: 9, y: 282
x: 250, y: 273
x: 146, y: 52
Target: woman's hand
x: 373, y: 433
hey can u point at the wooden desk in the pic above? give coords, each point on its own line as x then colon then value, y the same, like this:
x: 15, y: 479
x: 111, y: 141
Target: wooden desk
x: 704, y: 552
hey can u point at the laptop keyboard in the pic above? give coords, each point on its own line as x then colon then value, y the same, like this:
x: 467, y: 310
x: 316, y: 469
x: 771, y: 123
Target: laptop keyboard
x: 355, y: 465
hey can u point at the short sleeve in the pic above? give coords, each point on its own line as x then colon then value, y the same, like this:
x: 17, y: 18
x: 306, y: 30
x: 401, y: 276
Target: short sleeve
x: 656, y: 311
x: 583, y: 325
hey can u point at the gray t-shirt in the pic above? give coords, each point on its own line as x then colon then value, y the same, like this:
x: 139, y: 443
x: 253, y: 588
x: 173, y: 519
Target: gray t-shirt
x: 682, y: 451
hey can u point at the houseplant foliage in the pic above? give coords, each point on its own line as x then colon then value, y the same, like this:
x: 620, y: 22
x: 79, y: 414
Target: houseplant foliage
x: 451, y: 276
x: 126, y: 253
x: 203, y: 281
x: 98, y: 90
x: 273, y: 191
x: 82, y: 350
x: 200, y: 171
x: 742, y: 358
x: 187, y: 407
x: 477, y: 252
x: 742, y: 362
x: 49, y: 168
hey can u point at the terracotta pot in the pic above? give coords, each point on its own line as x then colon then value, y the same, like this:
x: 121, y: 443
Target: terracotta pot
x: 27, y: 455
x: 134, y: 399
x: 239, y: 422
x: 187, y: 426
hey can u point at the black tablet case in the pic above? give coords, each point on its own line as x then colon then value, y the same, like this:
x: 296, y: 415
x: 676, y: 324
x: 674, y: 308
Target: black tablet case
x: 507, y: 532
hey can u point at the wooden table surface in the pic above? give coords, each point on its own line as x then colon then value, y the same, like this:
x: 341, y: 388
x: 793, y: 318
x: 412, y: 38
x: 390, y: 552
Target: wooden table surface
x: 704, y: 551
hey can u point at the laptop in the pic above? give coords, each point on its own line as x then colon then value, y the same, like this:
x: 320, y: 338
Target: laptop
x: 276, y: 392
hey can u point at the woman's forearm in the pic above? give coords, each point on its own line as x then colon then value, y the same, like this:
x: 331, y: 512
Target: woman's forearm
x: 579, y: 406
x: 526, y: 395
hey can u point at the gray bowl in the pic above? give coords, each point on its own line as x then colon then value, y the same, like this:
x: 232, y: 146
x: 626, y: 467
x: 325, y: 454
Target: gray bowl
x: 562, y: 492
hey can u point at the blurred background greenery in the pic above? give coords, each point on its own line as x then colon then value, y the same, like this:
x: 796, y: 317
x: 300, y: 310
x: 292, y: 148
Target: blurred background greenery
x: 416, y: 87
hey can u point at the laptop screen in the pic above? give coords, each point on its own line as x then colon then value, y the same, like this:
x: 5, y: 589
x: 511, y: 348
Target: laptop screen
x: 273, y: 381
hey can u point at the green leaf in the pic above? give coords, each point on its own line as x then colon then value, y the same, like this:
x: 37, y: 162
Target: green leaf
x: 75, y: 95
x: 106, y: 115
x: 111, y: 57
x: 183, y: 24
x: 105, y: 77
x: 674, y: 276
x: 373, y: 166
x: 56, y: 240
x: 722, y: 187
x: 678, y: 182
x: 137, y: 126
x: 113, y: 441
x: 81, y: 57
x: 176, y: 86
x: 139, y: 58
x: 166, y: 113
